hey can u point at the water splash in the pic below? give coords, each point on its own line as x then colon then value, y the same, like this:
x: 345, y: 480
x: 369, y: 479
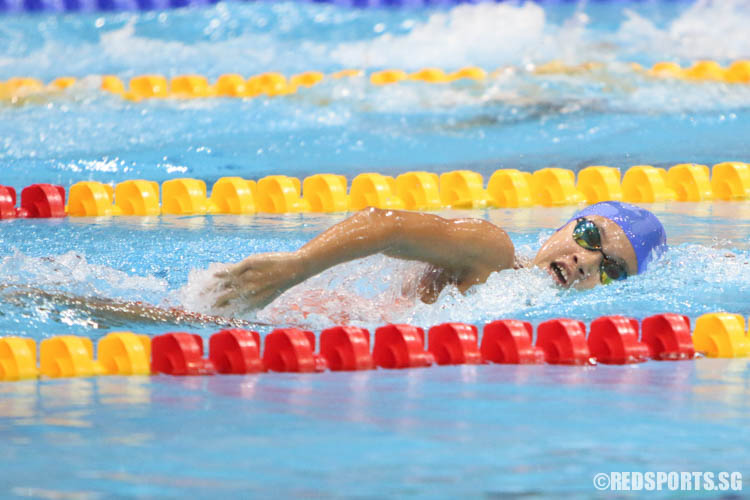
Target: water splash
x: 709, y: 29
x: 691, y: 279
x: 484, y: 34
x: 70, y: 272
x: 292, y: 37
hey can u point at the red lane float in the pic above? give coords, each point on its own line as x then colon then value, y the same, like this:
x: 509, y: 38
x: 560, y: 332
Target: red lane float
x: 508, y: 341
x: 7, y: 202
x: 292, y: 350
x: 346, y: 348
x: 614, y: 340
x: 454, y: 344
x: 8, y: 209
x: 43, y: 201
x: 668, y: 337
x: 400, y: 346
x: 563, y: 342
x: 235, y: 351
x: 179, y: 353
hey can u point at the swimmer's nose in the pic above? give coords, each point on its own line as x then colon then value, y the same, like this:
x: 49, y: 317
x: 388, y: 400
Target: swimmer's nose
x: 586, y: 263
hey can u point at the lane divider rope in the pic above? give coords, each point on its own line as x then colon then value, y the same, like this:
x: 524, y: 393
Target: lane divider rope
x: 274, y: 84
x: 73, y: 6
x: 418, y: 190
x: 611, y: 340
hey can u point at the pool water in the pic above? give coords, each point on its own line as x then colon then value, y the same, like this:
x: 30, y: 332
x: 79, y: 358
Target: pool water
x: 438, y: 432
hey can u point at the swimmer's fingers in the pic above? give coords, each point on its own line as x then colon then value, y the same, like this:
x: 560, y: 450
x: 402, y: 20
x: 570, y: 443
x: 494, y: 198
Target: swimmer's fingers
x: 251, y: 300
x: 225, y: 299
x: 230, y: 271
x: 259, y: 262
x: 246, y: 265
x: 224, y: 273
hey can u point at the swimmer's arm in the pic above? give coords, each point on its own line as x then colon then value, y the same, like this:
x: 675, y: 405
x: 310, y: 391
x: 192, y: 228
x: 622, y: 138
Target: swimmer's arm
x: 461, y: 246
x: 469, y: 249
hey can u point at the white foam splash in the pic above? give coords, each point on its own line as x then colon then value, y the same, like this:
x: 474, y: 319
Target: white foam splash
x: 256, y: 37
x: 201, y: 291
x: 709, y: 29
x: 488, y: 34
x: 73, y: 273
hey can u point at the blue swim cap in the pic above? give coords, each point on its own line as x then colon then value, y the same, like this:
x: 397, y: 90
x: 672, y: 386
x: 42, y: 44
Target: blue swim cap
x: 642, y: 228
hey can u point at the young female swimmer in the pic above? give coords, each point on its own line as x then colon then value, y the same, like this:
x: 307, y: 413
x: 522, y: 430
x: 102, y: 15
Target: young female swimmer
x: 605, y: 242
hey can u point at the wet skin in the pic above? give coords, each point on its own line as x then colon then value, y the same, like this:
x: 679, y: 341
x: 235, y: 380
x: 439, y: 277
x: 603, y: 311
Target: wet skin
x: 463, y: 252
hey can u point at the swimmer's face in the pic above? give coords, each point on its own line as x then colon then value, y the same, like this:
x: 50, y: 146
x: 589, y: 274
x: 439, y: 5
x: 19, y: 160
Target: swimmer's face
x: 572, y: 265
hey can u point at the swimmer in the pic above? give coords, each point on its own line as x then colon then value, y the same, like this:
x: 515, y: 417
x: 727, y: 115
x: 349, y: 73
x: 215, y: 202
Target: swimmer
x: 602, y: 243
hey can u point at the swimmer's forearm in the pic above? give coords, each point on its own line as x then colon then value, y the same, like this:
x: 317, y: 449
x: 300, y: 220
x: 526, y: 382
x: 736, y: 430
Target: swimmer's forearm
x: 365, y: 233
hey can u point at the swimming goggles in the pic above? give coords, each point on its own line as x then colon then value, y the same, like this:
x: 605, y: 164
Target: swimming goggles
x: 587, y: 235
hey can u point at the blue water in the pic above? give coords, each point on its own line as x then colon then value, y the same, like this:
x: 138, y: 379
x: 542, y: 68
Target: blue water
x: 439, y: 432
x: 538, y: 431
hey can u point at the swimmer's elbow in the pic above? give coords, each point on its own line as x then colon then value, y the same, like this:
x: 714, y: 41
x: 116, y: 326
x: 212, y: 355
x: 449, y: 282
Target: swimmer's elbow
x: 383, y: 225
x: 493, y: 245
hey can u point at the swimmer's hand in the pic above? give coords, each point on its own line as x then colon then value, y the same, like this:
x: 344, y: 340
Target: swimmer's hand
x: 259, y: 279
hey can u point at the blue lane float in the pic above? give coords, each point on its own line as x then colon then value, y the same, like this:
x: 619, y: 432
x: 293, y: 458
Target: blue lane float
x: 57, y: 6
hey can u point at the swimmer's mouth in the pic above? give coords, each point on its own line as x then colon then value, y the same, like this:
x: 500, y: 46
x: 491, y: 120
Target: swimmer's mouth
x: 560, y: 273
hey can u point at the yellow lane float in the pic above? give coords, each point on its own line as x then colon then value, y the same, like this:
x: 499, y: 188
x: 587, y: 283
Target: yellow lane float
x: 190, y: 86
x: 231, y: 85
x: 124, y: 353
x: 419, y: 190
x: 555, y: 187
x: 646, y: 184
x: 706, y: 70
x: 234, y: 195
x: 306, y: 79
x: 667, y: 69
x: 279, y: 194
x: 91, y: 199
x: 62, y: 82
x: 463, y: 189
x: 185, y: 197
x: 387, y: 77
x: 469, y: 73
x: 17, y: 358
x: 690, y: 182
x: 326, y: 193
x: 730, y: 181
x: 137, y: 197
x: 374, y: 190
x: 148, y: 86
x: 430, y: 75
x: 112, y: 84
x: 511, y: 188
x: 721, y: 335
x: 600, y: 183
x: 272, y: 84
x: 68, y: 356
x: 738, y: 72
